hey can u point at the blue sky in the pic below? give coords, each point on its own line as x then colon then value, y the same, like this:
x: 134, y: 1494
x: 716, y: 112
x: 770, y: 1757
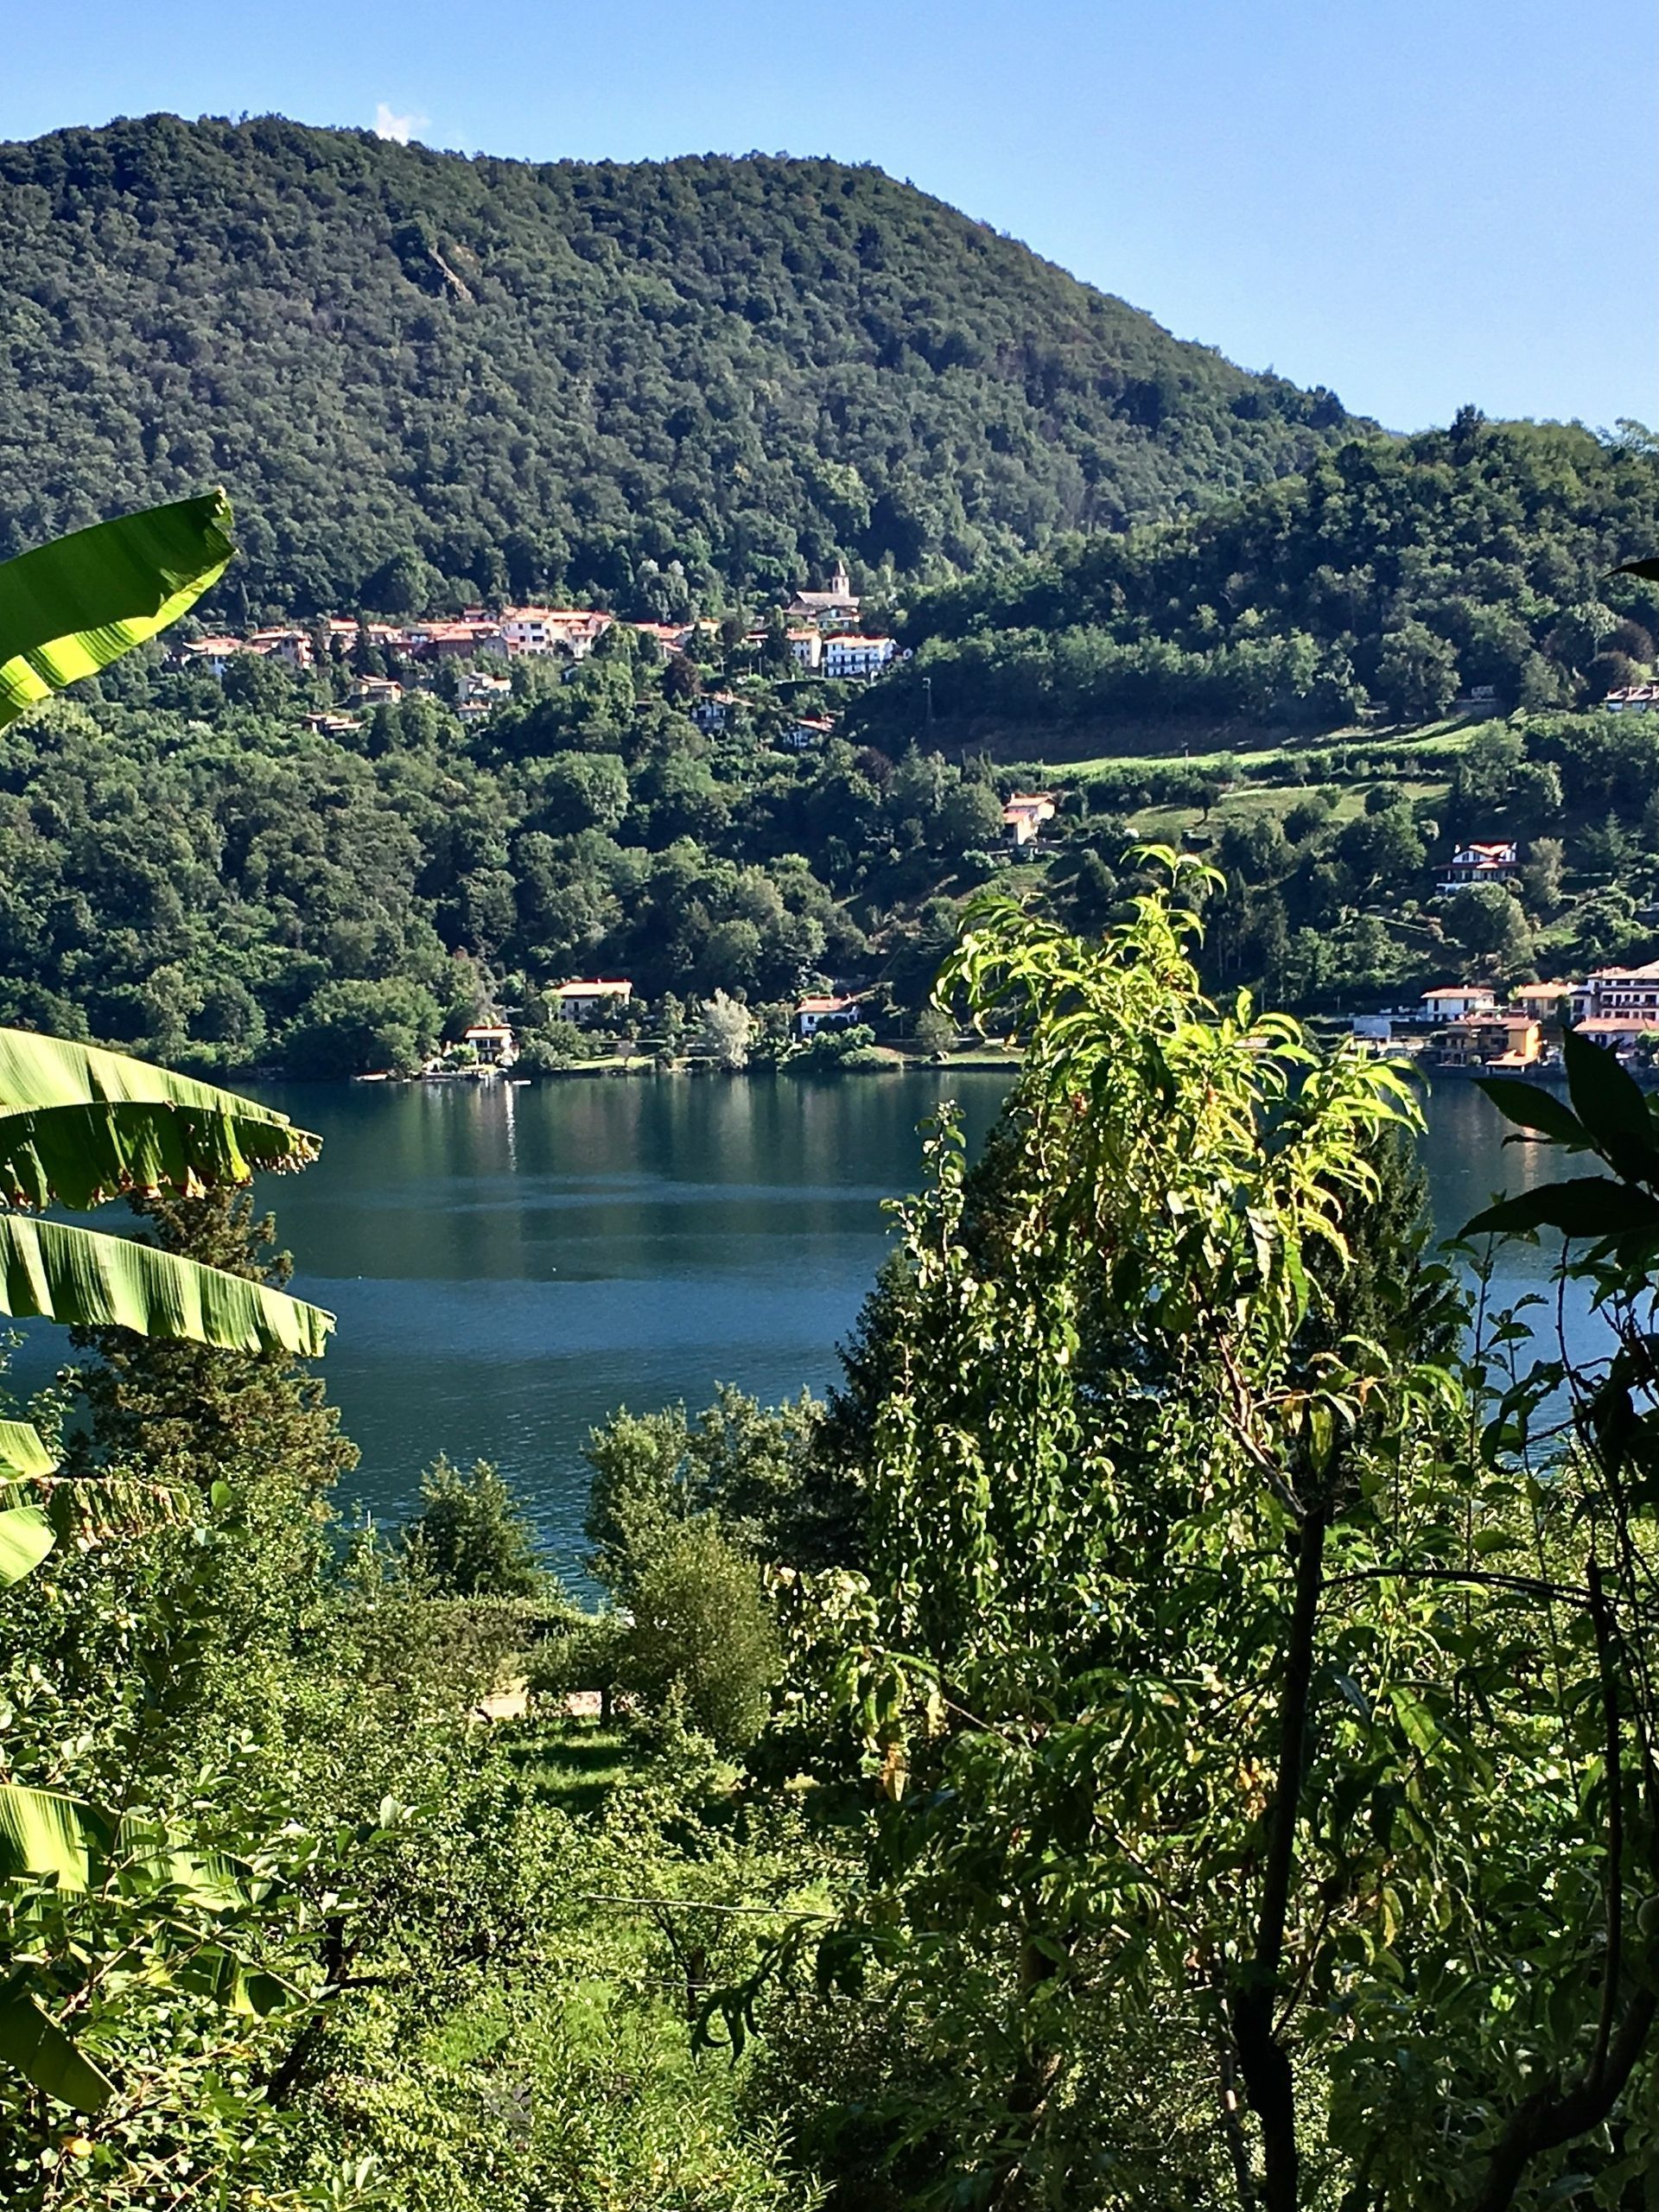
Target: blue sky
x: 1418, y: 202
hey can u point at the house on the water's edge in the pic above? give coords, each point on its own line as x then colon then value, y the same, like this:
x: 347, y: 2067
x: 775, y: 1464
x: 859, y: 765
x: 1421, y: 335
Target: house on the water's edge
x: 1625, y: 994
x: 494, y: 1042
x: 824, y: 1011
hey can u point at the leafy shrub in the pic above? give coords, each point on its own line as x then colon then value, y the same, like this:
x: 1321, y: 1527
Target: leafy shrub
x: 470, y: 1539
x: 700, y: 1619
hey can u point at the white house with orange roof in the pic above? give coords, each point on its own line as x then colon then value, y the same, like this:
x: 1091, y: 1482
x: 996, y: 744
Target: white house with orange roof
x: 1023, y: 815
x: 541, y: 630
x: 1456, y: 1001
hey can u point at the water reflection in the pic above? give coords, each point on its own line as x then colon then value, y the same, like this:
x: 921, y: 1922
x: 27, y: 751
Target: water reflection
x: 510, y: 1265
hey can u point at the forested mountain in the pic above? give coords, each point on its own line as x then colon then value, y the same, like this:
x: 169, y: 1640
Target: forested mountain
x: 422, y: 377
x: 1390, y: 574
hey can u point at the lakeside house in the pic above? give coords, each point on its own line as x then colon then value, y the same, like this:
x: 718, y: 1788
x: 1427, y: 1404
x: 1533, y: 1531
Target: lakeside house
x: 375, y: 691
x: 1617, y: 992
x: 1498, y: 862
x: 582, y: 999
x: 1617, y: 1032
x: 1469, y: 1027
x: 824, y: 1010
x: 1548, y: 1001
x: 1633, y: 699
x: 1023, y: 815
x: 1489, y: 1040
x: 494, y: 1042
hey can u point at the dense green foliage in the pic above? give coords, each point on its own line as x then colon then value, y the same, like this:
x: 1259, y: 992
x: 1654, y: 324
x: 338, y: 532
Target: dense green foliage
x: 1223, y: 1836
x: 424, y: 377
x: 1330, y: 894
x: 1392, y: 574
x: 470, y: 1538
x: 186, y: 872
x: 1162, y: 1773
x: 199, y: 875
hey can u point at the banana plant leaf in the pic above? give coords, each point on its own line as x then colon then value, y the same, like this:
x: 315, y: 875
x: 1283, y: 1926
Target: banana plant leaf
x: 230, y: 1981
x: 25, y: 1537
x: 23, y: 1454
x: 147, y: 1856
x: 69, y: 608
x: 82, y: 1278
x: 43, y: 1831
x: 34, y: 2043
x: 78, y: 1125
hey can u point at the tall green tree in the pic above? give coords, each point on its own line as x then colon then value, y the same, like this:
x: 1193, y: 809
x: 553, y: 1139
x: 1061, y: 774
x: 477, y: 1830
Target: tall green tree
x: 1193, y: 1659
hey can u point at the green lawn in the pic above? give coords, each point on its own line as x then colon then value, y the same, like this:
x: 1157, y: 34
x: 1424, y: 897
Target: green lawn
x: 1174, y: 824
x: 1437, y: 739
x: 574, y: 1765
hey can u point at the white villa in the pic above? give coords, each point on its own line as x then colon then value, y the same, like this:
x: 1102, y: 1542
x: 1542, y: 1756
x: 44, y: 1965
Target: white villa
x: 579, y: 1001
x: 857, y: 660
x: 1454, y: 1002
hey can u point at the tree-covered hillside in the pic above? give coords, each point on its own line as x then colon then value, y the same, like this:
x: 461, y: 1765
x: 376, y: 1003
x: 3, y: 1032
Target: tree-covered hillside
x: 421, y: 376
x: 1391, y: 576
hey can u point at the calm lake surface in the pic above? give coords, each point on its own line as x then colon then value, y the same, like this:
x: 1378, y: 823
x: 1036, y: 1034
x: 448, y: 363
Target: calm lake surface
x: 510, y: 1265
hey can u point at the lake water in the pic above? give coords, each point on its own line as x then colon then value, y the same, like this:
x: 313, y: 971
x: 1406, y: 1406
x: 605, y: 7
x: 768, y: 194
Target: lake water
x: 509, y: 1265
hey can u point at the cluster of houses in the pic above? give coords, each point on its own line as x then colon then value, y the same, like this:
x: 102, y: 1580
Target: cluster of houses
x: 1475, y: 1025
x: 823, y: 634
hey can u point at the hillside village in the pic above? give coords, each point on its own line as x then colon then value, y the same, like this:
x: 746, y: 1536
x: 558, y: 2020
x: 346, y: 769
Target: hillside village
x: 818, y: 629
x: 793, y: 682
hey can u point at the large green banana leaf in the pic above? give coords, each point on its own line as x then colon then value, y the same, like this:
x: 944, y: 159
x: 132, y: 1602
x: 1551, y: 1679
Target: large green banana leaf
x: 43, y: 1831
x: 21, y: 1452
x: 79, y: 1846
x: 26, y: 1533
x: 34, y: 2043
x: 76, y: 1125
x: 69, y: 608
x: 84, y: 1278
x: 26, y: 1536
